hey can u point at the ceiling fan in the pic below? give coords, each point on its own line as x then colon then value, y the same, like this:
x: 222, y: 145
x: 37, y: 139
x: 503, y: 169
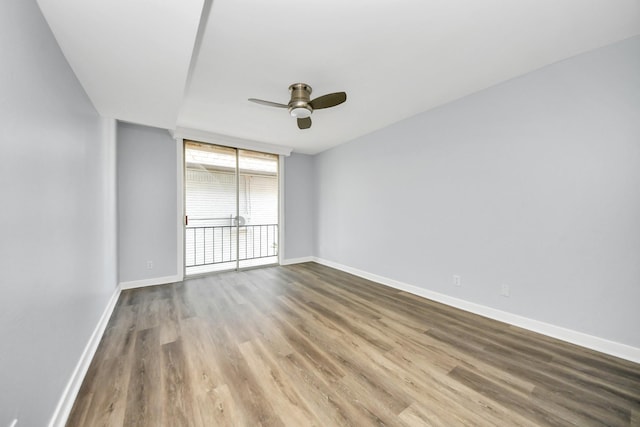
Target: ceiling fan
x: 301, y: 106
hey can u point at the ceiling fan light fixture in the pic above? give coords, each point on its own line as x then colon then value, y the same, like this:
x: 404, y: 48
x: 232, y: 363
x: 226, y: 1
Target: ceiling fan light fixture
x: 301, y: 106
x: 300, y: 112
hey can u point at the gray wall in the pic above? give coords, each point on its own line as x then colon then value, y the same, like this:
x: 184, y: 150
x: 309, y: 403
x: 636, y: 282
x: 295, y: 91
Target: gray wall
x: 147, y: 212
x: 147, y: 203
x: 147, y: 197
x: 57, y: 222
x: 533, y: 183
x: 299, y: 209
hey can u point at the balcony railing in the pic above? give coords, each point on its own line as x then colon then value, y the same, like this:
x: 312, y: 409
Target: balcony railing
x: 209, y: 245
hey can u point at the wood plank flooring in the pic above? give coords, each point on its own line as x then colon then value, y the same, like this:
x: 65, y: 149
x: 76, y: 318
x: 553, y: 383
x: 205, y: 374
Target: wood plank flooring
x: 306, y: 345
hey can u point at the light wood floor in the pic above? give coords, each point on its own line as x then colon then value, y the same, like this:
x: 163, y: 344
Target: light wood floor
x: 307, y: 345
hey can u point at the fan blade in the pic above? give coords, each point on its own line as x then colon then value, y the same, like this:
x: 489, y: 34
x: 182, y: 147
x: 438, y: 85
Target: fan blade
x: 268, y: 103
x: 304, y: 123
x: 329, y: 100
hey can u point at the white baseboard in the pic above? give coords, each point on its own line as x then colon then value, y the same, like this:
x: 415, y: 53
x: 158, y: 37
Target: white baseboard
x: 297, y: 260
x: 150, y: 282
x: 59, y: 418
x: 622, y: 351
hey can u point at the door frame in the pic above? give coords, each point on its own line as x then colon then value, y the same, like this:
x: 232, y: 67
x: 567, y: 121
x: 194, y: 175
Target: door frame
x: 182, y: 133
x: 180, y: 147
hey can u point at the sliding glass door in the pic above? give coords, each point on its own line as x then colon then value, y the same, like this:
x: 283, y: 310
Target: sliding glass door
x: 231, y: 208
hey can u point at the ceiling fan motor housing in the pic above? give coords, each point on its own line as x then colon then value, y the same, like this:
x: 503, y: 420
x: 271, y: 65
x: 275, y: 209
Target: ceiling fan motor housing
x: 300, y: 97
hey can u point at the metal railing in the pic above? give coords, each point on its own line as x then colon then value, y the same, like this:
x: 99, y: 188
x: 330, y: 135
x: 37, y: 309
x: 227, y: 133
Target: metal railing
x: 208, y: 245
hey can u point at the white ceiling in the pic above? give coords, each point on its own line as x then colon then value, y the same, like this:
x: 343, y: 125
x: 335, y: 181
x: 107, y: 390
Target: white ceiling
x: 160, y: 63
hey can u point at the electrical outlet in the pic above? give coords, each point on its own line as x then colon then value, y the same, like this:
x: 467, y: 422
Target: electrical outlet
x: 456, y: 280
x: 149, y: 265
x: 504, y: 291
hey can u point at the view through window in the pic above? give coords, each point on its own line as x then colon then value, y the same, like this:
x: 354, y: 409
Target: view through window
x: 231, y: 208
